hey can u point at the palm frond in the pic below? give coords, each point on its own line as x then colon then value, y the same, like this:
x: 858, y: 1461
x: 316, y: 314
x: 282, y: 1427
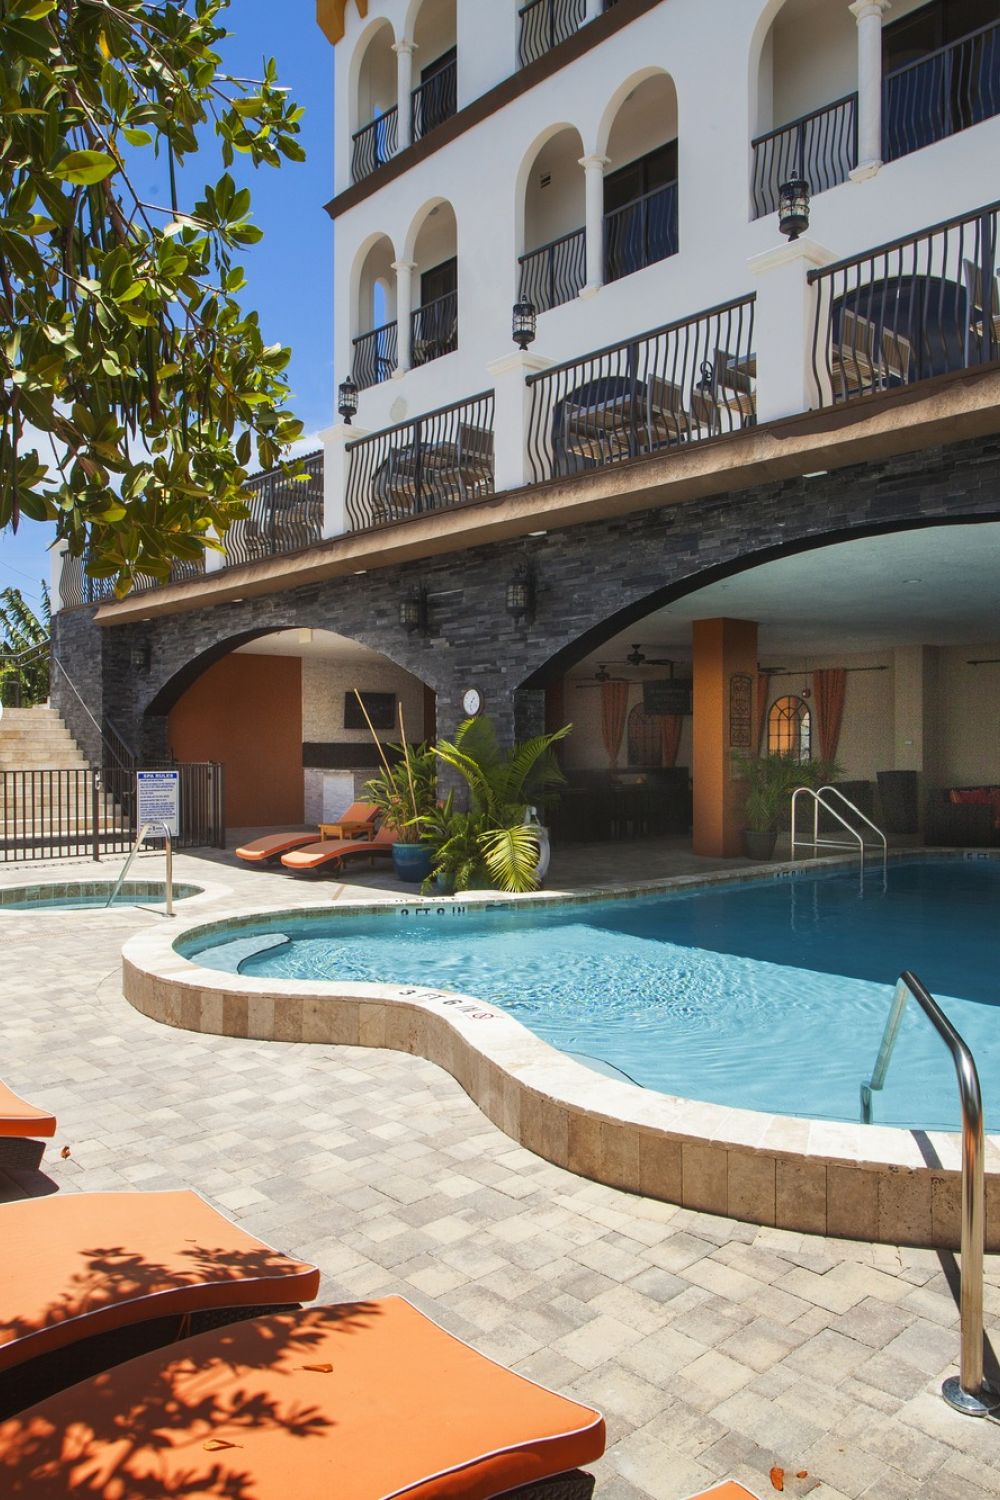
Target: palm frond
x: 511, y: 856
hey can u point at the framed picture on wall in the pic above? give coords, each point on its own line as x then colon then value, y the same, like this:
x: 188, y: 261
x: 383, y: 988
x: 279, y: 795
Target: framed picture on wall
x: 380, y: 707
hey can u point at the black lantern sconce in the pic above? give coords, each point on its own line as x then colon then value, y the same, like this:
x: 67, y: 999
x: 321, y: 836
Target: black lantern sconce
x: 141, y: 656
x: 793, y: 207
x: 347, y: 399
x: 413, y: 614
x: 521, y: 595
x: 525, y: 322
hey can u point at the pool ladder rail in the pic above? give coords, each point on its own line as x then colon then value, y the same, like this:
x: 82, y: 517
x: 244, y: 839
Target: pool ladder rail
x: 168, y: 847
x: 821, y: 798
x: 968, y: 1392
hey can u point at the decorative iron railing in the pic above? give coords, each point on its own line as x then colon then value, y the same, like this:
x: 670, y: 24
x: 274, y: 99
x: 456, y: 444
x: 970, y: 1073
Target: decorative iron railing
x: 690, y: 380
x: 821, y: 146
x: 434, y: 329
x: 374, y: 356
x: 942, y: 93
x: 286, y: 514
x: 434, y: 462
x: 556, y: 272
x: 435, y: 101
x: 374, y: 144
x: 641, y: 232
x: 97, y: 590
x: 918, y: 307
x: 546, y: 23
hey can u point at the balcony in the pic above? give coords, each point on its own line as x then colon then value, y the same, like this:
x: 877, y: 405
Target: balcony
x: 375, y: 356
x: 546, y: 23
x: 556, y: 272
x: 435, y: 462
x: 641, y: 233
x: 821, y: 146
x: 374, y: 144
x: 436, y: 99
x: 434, y: 329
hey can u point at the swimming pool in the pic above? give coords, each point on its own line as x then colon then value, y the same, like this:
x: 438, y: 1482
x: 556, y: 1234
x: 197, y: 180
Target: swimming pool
x: 63, y: 895
x: 769, y: 995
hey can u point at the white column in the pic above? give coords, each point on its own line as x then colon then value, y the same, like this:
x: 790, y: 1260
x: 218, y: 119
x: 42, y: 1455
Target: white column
x: 783, y: 328
x: 512, y: 414
x: 58, y: 570
x: 594, y: 9
x: 868, y: 14
x: 404, y: 270
x: 336, y: 471
x: 593, y: 167
x: 404, y: 88
x: 214, y: 561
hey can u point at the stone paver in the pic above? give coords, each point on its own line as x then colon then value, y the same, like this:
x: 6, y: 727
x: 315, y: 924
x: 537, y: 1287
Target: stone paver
x: 715, y: 1348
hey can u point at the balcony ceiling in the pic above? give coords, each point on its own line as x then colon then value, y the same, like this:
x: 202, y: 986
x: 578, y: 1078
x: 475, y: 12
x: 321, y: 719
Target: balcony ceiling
x: 314, y: 644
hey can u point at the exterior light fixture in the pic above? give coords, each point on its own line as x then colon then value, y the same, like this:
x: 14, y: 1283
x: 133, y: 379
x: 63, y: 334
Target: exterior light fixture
x: 413, y: 612
x: 793, y: 207
x: 347, y: 399
x: 141, y: 657
x: 525, y: 321
x: 521, y: 594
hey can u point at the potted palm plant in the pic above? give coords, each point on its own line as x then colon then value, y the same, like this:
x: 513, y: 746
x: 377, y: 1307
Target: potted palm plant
x: 770, y: 781
x: 404, y: 793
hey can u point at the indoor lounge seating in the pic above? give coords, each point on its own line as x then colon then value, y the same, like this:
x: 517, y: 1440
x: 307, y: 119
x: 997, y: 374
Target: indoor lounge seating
x: 963, y: 817
x: 355, y: 822
x: 19, y: 1118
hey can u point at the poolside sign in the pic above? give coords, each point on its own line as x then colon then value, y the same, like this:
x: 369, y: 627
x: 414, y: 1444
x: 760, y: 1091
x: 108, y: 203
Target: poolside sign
x: 158, y: 800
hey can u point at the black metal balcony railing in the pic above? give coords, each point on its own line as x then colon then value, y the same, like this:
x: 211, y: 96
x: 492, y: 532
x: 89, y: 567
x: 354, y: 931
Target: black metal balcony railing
x: 374, y: 356
x: 682, y: 383
x: 556, y: 272
x: 942, y: 93
x: 641, y: 232
x: 434, y: 329
x: 435, y: 101
x: 374, y: 144
x: 97, y: 590
x: 434, y: 462
x: 821, y: 146
x: 921, y: 306
x: 286, y: 514
x: 546, y: 23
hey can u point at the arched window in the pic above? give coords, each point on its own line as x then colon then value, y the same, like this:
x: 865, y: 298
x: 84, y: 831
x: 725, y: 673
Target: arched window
x: 789, y: 728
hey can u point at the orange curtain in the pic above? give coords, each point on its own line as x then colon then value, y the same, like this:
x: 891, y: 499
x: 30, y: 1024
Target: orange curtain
x: 614, y: 705
x: 671, y: 725
x: 829, y: 688
x: 763, y: 693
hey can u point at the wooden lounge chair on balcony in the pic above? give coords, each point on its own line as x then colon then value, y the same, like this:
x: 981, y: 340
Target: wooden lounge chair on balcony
x: 358, y: 1401
x: 618, y: 416
x: 855, y: 359
x: 431, y: 476
x: 973, y: 277
x: 335, y: 852
x: 113, y: 1274
x: 358, y: 817
x: 18, y: 1118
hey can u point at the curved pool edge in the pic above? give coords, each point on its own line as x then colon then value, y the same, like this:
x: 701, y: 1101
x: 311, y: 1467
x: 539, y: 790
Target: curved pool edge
x: 877, y: 1183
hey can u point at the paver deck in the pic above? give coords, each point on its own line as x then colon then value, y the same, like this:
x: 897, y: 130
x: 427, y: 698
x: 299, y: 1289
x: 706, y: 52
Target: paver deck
x: 715, y: 1348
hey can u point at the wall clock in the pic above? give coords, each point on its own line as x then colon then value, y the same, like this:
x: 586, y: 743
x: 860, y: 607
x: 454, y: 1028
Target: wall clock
x: 472, y: 701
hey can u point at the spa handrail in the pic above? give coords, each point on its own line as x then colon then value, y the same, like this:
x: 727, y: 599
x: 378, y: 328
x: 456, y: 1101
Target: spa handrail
x: 820, y: 796
x: 967, y: 1392
x: 168, y: 850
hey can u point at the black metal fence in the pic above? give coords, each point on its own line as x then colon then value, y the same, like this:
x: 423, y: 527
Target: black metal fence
x: 286, y: 514
x: 687, y: 381
x: 59, y: 814
x: 821, y: 146
x: 944, y: 92
x: 556, y: 272
x: 374, y: 356
x: 546, y: 23
x: 435, y: 100
x: 918, y: 307
x: 434, y: 329
x: 641, y: 232
x: 374, y: 144
x: 435, y: 462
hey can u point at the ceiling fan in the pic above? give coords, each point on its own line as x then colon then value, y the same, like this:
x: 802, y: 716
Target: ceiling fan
x: 638, y: 658
x: 601, y: 676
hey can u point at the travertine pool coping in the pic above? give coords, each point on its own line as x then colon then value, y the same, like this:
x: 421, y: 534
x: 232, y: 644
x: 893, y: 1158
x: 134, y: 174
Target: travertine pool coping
x: 870, y: 1182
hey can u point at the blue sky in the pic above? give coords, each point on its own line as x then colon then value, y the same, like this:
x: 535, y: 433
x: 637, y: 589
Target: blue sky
x: 290, y: 273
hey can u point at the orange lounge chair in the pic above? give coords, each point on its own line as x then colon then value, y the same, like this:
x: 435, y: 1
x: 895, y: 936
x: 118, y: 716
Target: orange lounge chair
x: 85, y: 1266
x: 18, y: 1118
x: 333, y: 852
x: 273, y: 845
x: 363, y: 1401
x: 731, y: 1490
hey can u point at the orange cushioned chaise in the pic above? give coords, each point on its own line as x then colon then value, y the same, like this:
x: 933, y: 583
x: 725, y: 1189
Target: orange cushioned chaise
x: 334, y: 853
x: 364, y: 1401
x: 273, y: 845
x: 18, y: 1118
x: 729, y: 1491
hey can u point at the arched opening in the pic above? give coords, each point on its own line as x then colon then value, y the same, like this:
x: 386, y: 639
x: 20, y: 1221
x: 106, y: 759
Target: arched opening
x: 375, y: 338
x: 640, y: 183
x: 374, y: 130
x: 435, y: 257
x: 435, y: 95
x: 553, y: 268
x: 277, y: 712
x: 789, y: 728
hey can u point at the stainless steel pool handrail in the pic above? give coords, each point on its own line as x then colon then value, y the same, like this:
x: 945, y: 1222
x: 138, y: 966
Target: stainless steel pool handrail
x: 820, y: 799
x: 968, y: 1392
x: 168, y: 850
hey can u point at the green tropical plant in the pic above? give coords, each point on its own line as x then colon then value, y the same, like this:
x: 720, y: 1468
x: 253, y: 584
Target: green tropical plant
x: 124, y: 352
x: 454, y: 835
x: 24, y: 655
x: 770, y: 781
x: 404, y: 792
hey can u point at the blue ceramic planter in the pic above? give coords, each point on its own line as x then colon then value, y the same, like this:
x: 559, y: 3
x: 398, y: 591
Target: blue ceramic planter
x: 413, y: 861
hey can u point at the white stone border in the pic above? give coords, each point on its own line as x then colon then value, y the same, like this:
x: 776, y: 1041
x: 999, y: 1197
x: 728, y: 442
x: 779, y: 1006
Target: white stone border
x: 207, y: 892
x: 870, y: 1182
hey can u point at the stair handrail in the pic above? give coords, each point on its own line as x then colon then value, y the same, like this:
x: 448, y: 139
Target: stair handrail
x: 968, y: 1392
x: 820, y: 801
x: 123, y: 761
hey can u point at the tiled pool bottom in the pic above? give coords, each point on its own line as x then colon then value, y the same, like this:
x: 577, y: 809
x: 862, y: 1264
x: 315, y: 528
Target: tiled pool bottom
x: 851, y: 1181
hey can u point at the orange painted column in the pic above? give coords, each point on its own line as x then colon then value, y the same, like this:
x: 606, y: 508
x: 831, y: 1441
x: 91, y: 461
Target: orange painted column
x: 723, y: 649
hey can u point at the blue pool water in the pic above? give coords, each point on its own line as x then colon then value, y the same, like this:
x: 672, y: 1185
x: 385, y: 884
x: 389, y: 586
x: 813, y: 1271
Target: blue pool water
x: 768, y: 995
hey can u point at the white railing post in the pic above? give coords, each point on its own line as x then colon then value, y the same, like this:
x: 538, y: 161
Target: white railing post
x: 336, y: 472
x: 868, y: 14
x: 512, y: 417
x: 784, y: 326
x: 593, y: 167
x: 404, y: 89
x: 404, y: 270
x: 594, y: 8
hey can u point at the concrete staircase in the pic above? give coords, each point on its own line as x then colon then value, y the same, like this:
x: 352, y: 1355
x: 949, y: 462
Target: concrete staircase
x: 39, y: 809
x: 36, y: 739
